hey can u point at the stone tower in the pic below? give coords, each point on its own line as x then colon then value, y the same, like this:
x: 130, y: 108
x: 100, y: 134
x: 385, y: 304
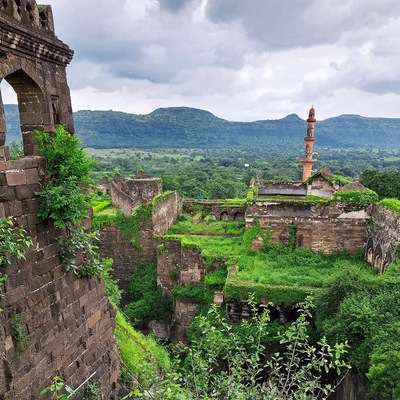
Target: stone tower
x: 308, y: 161
x: 33, y: 61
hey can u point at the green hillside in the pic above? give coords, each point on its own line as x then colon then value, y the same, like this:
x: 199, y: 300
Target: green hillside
x: 183, y: 127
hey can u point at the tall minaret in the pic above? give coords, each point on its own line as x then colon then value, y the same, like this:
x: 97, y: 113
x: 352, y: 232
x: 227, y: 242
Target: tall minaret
x: 308, y: 161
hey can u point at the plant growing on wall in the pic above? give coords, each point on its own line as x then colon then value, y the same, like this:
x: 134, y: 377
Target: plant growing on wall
x: 64, y: 193
x: 64, y: 199
x: 13, y: 242
x: 18, y: 334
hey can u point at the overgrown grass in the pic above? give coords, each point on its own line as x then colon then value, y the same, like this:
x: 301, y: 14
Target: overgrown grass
x: 207, y: 226
x: 142, y: 356
x: 391, y: 204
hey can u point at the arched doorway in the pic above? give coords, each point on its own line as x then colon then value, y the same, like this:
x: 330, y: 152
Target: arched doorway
x: 31, y: 108
x: 12, y: 127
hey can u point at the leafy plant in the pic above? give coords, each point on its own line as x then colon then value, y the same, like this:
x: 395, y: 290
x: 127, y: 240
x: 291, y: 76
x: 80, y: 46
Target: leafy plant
x: 64, y: 193
x: 13, y: 241
x: 361, y: 198
x: 391, y: 204
x: 147, y: 299
x: 113, y: 292
x: 58, y: 388
x: 16, y: 150
x: 79, y: 252
x: 18, y: 334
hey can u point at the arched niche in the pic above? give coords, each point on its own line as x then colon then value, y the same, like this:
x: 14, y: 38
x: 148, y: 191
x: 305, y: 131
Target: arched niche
x: 32, y: 109
x: 369, y: 254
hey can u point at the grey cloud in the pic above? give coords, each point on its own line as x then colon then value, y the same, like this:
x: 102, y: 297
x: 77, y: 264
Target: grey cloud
x: 172, y: 5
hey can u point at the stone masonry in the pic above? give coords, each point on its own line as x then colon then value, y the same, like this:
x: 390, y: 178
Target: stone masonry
x: 67, y: 322
x: 321, y: 227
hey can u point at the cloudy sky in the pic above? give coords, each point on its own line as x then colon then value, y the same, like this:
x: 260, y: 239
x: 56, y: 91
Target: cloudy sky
x: 240, y: 59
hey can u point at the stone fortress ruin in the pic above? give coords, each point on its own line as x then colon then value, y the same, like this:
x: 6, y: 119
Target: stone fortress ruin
x: 67, y: 321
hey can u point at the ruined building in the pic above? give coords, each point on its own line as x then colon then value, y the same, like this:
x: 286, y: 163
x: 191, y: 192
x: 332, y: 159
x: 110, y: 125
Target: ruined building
x: 66, y: 323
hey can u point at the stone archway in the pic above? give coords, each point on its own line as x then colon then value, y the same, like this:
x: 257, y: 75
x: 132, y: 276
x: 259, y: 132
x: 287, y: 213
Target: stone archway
x: 31, y: 106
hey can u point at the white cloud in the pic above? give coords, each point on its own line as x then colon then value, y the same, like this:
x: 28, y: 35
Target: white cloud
x: 242, y: 60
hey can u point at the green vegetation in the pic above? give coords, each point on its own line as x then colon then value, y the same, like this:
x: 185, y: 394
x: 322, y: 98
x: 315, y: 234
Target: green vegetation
x: 147, y: 299
x: 18, y: 333
x: 64, y: 196
x: 277, y: 273
x: 385, y: 182
x: 143, y: 358
x: 207, y: 225
x: 129, y: 226
x: 361, y: 198
x: 365, y: 309
x: 58, y: 389
x: 13, y: 243
x: 391, y: 204
x: 16, y: 150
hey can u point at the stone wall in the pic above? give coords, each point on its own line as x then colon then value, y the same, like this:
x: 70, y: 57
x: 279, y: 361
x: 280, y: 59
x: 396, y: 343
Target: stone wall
x: 33, y: 62
x: 218, y: 209
x: 130, y: 193
x: 126, y: 257
x: 68, y: 321
x: 321, y: 227
x: 383, y: 237
x: 165, y: 212
x: 183, y: 267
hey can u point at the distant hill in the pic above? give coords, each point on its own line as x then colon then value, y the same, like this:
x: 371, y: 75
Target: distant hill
x: 183, y: 127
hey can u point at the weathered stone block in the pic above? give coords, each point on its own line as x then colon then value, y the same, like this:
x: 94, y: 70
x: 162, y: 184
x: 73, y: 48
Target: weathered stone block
x: 15, y: 178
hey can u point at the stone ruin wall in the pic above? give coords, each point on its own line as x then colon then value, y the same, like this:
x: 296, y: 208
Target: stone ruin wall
x: 126, y: 257
x: 67, y: 320
x: 33, y: 61
x: 321, y: 227
x: 180, y: 266
x: 217, y: 209
x: 130, y: 193
x: 383, y: 237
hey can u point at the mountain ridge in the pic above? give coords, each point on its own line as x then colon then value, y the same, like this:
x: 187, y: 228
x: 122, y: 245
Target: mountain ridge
x: 186, y: 127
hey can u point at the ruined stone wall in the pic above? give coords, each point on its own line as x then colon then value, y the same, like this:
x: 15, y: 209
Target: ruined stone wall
x: 130, y: 193
x: 383, y: 237
x: 219, y: 210
x: 179, y: 266
x: 126, y: 256
x: 165, y: 212
x: 33, y: 61
x: 183, y: 267
x: 68, y: 321
x: 321, y: 227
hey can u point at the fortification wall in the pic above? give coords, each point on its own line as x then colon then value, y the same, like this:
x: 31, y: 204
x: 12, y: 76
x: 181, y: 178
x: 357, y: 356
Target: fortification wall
x: 383, y: 237
x: 133, y: 192
x: 321, y: 227
x: 219, y: 210
x: 183, y: 267
x: 127, y: 257
x: 67, y: 321
x: 165, y: 212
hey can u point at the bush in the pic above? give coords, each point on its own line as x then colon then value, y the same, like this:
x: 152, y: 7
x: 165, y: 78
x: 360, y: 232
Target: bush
x: 147, y: 299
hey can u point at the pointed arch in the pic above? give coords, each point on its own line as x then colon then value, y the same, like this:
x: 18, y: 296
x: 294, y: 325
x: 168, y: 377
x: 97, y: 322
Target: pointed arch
x: 31, y: 106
